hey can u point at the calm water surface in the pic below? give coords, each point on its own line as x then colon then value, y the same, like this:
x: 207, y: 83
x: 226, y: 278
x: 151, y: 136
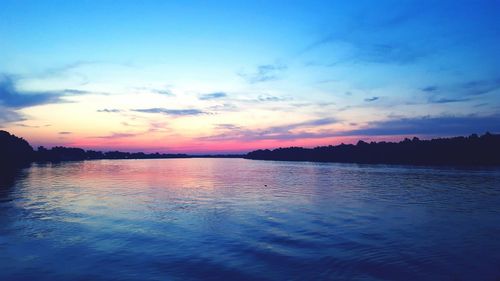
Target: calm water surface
x: 235, y: 219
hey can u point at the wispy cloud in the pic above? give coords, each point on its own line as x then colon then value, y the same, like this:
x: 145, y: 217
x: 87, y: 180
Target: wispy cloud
x: 371, y: 99
x: 223, y: 107
x: 316, y: 122
x: 429, y: 89
x: 75, y: 91
x: 212, y: 96
x: 172, y: 112
x: 434, y: 99
x: 117, y: 136
x: 427, y: 125
x: 227, y: 127
x: 62, y: 69
x: 479, y: 87
x: 65, y: 133
x: 269, y: 98
x: 263, y: 73
x: 9, y: 116
x: 164, y: 91
x: 363, y: 51
x: 381, y: 46
x: 158, y: 127
x: 27, y: 126
x: 113, y: 110
x: 461, y: 92
x: 73, y: 68
x: 283, y: 132
x: 13, y: 98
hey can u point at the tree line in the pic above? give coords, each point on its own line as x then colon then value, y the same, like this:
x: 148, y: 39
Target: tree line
x: 471, y: 150
x: 16, y: 152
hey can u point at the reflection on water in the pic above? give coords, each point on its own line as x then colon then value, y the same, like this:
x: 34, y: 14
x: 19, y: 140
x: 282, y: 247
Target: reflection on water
x: 235, y: 219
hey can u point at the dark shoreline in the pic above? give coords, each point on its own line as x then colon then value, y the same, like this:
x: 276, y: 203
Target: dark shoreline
x: 472, y: 151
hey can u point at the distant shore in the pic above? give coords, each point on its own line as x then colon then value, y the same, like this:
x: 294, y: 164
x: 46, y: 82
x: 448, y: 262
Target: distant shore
x: 476, y: 150
x: 473, y: 150
x: 17, y: 152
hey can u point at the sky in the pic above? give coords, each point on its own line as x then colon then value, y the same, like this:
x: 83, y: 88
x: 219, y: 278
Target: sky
x: 234, y: 76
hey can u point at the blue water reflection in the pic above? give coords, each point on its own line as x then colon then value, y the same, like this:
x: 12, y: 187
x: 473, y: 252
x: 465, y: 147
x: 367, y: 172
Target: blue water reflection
x: 235, y: 219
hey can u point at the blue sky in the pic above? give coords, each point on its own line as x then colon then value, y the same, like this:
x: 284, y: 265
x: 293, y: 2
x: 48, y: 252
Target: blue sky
x: 237, y: 75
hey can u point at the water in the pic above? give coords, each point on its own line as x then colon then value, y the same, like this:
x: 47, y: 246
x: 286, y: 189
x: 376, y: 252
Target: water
x: 236, y: 219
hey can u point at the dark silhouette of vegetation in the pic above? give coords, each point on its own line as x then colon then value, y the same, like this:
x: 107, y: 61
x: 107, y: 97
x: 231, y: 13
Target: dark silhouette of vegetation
x: 14, y: 152
x: 60, y: 153
x: 472, y: 150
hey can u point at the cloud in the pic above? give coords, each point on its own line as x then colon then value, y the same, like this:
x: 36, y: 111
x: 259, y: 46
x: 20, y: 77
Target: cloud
x: 158, y: 127
x: 212, y: 96
x: 27, y: 126
x: 265, y: 98
x: 269, y: 98
x: 65, y: 133
x: 126, y: 124
x: 371, y: 99
x: 469, y: 88
x: 275, y: 133
x: 224, y: 107
x: 173, y: 112
x: 287, y: 128
x: 66, y: 70
x: 362, y: 51
x: 446, y: 100
x: 9, y: 116
x: 479, y: 87
x: 440, y: 125
x: 164, y: 92
x: 429, y: 89
x: 461, y: 92
x: 263, y: 73
x: 109, y: 110
x: 371, y: 35
x: 72, y: 69
x: 153, y: 127
x: 400, y: 53
x: 74, y: 92
x: 227, y: 127
x: 426, y: 125
x: 117, y: 136
x: 60, y: 70
x: 12, y: 98
x: 316, y: 122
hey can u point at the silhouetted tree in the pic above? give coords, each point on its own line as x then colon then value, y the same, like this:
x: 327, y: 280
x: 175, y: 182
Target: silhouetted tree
x: 472, y: 150
x: 14, y: 151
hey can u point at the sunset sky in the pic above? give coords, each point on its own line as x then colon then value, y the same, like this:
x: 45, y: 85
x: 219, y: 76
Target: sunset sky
x: 233, y: 76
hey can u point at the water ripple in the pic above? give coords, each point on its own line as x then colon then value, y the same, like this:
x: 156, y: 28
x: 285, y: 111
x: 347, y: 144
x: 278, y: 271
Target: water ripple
x: 235, y: 219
